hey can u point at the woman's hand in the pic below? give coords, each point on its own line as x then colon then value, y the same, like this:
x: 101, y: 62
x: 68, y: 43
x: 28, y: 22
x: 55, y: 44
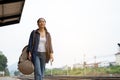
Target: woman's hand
x: 29, y: 55
x: 51, y: 57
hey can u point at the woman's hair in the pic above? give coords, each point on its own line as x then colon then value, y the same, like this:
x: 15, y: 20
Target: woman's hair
x: 45, y: 22
x: 40, y: 19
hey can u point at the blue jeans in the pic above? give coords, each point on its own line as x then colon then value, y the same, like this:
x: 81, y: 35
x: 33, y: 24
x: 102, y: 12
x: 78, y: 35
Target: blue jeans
x: 39, y: 66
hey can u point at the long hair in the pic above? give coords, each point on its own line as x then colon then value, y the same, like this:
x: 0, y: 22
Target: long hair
x: 45, y: 22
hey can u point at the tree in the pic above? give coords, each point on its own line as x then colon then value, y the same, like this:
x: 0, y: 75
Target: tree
x: 7, y: 73
x: 16, y: 73
x: 3, y: 62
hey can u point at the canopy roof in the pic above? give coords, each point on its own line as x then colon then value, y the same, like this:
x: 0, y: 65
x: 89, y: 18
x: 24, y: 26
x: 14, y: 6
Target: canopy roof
x: 10, y: 11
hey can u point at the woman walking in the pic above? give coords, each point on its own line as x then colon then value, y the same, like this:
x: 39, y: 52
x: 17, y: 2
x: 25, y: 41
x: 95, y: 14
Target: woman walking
x: 40, y: 49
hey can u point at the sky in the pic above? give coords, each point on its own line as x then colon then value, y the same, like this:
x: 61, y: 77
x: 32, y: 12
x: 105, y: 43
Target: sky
x: 80, y: 30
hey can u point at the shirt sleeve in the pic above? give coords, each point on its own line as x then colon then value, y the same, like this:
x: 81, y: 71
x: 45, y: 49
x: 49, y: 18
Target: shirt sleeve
x: 29, y: 49
x: 50, y: 43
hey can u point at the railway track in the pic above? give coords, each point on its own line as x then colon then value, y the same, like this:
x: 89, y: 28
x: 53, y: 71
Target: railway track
x: 75, y: 78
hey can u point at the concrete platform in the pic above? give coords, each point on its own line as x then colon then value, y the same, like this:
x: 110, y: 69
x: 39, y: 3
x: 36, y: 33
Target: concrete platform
x: 8, y: 78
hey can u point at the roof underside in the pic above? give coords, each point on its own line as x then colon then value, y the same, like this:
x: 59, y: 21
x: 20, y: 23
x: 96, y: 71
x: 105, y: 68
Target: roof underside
x: 10, y: 11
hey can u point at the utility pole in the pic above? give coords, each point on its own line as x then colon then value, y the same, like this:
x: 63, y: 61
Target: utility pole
x: 84, y: 64
x: 95, y: 65
x: 51, y: 69
x: 95, y: 61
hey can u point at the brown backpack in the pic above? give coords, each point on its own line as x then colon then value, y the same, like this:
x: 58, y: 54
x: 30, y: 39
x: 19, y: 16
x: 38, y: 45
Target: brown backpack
x: 25, y: 65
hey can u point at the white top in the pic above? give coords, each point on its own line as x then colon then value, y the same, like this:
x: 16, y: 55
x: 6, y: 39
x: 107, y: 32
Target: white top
x: 41, y: 45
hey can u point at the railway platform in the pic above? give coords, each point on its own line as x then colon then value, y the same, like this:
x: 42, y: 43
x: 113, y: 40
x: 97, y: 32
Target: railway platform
x: 75, y: 78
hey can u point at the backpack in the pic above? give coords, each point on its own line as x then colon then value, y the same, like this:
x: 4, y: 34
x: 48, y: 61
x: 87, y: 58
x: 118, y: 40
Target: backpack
x: 24, y: 54
x: 25, y: 65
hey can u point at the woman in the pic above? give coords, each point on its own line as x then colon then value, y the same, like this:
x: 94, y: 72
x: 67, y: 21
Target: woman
x: 40, y: 49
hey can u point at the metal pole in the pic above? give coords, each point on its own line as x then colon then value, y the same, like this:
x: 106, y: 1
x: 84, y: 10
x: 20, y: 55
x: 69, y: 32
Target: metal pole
x: 51, y: 68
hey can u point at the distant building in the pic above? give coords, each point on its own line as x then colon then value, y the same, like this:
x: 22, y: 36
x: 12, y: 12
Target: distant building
x: 117, y: 55
x: 65, y: 67
x: 2, y: 73
x: 104, y: 64
x: 93, y: 65
x: 112, y: 63
x: 85, y: 65
x: 78, y: 65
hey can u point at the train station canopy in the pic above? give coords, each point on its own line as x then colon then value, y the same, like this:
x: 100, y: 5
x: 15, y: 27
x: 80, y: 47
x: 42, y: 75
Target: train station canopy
x: 10, y: 11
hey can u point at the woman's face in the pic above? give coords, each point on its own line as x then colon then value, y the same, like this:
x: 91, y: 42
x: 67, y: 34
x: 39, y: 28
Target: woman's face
x: 42, y: 23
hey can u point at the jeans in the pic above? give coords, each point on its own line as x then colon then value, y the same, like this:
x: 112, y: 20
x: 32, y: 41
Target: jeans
x: 39, y: 66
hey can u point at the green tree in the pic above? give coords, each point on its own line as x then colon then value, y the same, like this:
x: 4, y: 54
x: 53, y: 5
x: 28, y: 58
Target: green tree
x: 3, y: 62
x: 16, y: 73
x: 7, y: 73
